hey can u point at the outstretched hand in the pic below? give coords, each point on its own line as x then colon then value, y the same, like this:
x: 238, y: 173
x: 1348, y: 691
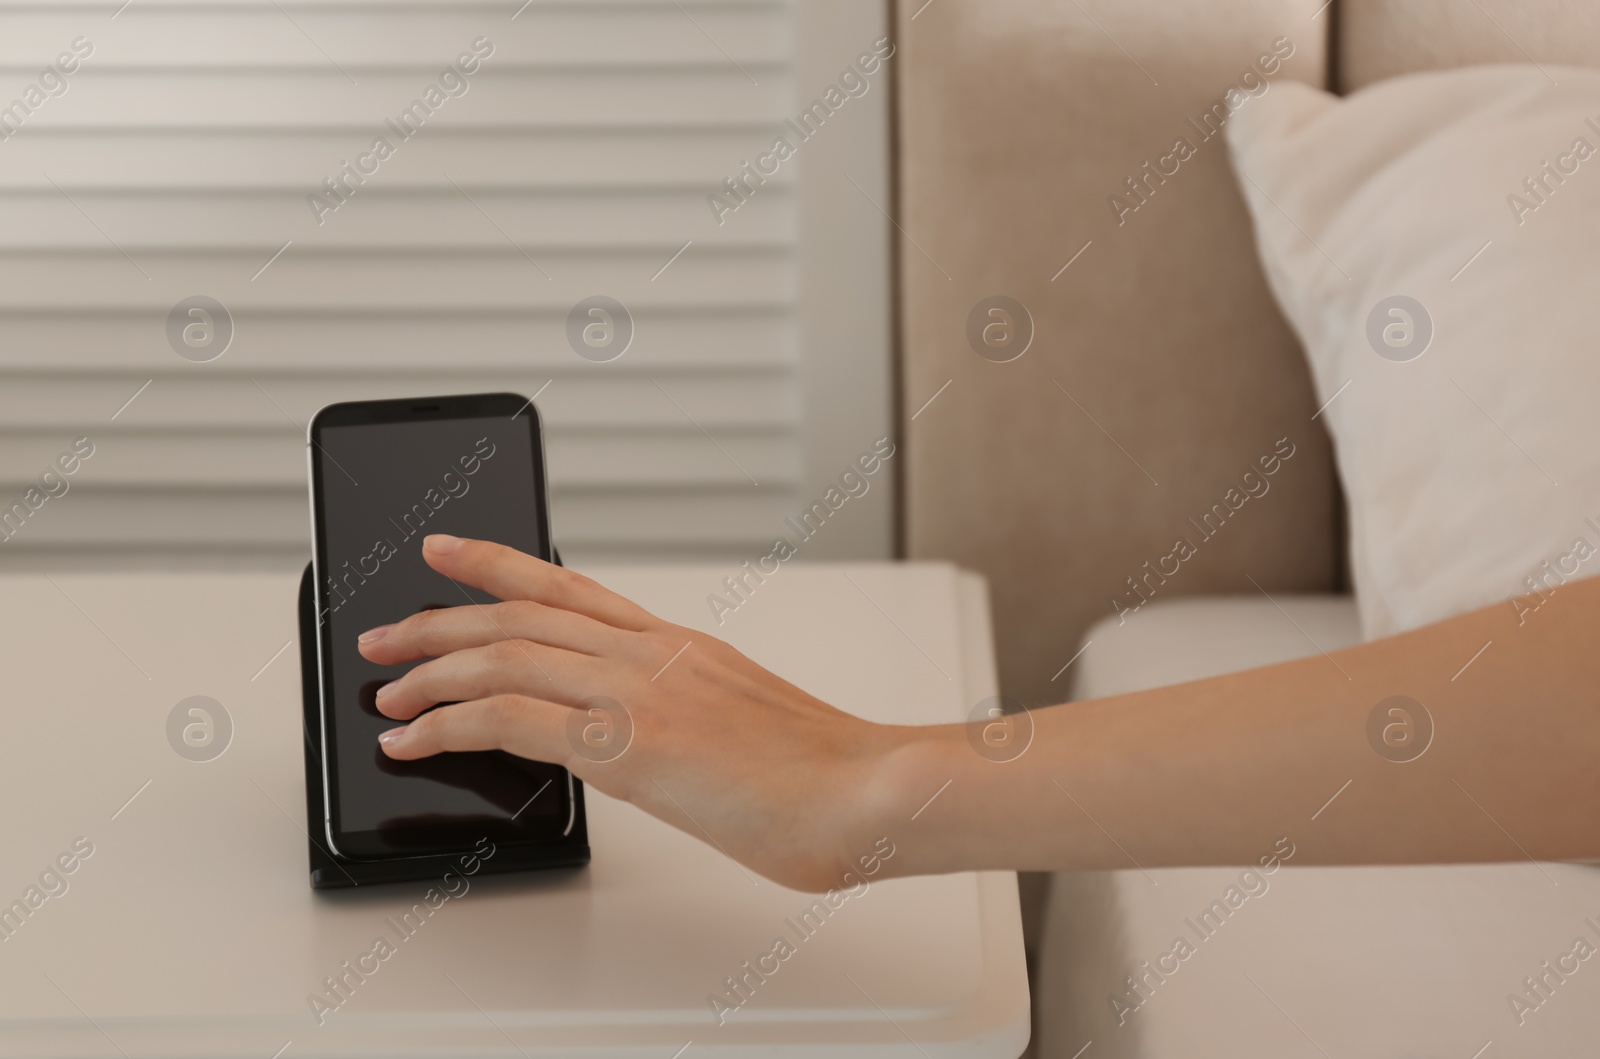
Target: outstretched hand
x: 672, y: 720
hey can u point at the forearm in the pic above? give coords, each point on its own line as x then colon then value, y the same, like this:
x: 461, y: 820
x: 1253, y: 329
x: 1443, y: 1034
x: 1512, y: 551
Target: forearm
x: 1216, y: 771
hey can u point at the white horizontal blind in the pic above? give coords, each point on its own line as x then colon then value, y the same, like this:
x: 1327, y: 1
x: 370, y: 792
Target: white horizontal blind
x: 180, y: 159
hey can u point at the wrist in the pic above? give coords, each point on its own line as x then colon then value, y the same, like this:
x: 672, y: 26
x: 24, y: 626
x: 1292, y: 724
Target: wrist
x: 912, y: 784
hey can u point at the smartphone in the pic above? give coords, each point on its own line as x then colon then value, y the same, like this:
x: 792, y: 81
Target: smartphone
x: 385, y: 474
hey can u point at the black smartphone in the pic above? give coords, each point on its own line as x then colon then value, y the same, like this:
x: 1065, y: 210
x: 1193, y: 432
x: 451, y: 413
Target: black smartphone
x: 385, y: 474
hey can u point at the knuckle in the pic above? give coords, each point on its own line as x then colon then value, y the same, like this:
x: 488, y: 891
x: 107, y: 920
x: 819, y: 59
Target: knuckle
x: 421, y: 625
x: 419, y: 680
x: 564, y: 583
x: 502, y: 710
x: 507, y: 652
x: 642, y: 646
x: 677, y: 636
x: 425, y: 729
x: 669, y: 639
x: 521, y: 611
x: 404, y: 631
x: 501, y: 714
x: 495, y: 555
x: 449, y: 731
x: 711, y: 647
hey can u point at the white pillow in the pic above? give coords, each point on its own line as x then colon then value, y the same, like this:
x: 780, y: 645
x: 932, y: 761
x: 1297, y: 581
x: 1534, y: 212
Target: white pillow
x: 1472, y: 470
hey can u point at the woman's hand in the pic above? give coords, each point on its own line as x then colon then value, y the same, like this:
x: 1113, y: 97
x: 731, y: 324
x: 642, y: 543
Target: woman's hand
x: 714, y: 744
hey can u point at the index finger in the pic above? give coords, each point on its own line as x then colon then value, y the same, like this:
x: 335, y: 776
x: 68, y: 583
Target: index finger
x: 509, y: 574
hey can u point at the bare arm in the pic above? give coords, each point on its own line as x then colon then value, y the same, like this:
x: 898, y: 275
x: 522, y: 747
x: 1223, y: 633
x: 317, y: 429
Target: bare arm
x: 1215, y: 771
x: 1211, y: 772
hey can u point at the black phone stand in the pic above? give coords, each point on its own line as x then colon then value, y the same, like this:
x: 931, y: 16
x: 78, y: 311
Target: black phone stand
x: 329, y: 871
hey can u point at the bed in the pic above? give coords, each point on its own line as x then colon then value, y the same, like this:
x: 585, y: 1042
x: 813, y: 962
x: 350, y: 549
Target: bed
x: 1034, y: 165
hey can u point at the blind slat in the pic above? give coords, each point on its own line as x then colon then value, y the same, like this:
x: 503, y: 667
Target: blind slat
x: 271, y: 344
x: 445, y: 218
x: 260, y: 517
x: 489, y: 278
x: 199, y: 400
x: 323, y: 98
x: 657, y: 458
x: 164, y: 35
x: 291, y: 159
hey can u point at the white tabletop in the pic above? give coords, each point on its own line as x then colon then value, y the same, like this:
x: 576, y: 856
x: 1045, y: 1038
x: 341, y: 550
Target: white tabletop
x: 191, y: 930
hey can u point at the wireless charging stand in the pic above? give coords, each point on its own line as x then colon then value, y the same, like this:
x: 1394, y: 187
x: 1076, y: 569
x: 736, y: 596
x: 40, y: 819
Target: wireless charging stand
x: 330, y: 871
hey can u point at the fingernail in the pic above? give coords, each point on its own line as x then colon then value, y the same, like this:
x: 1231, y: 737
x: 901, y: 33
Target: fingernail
x: 440, y: 543
x: 392, y: 736
x: 385, y: 689
x: 374, y: 635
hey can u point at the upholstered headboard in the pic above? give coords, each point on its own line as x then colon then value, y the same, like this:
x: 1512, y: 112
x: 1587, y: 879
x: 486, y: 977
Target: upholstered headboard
x: 1040, y: 162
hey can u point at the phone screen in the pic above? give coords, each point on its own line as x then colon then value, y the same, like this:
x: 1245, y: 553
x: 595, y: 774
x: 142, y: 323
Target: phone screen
x: 385, y: 474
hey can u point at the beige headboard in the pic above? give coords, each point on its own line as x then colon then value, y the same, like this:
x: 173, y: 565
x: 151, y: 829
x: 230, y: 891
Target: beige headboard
x: 1160, y: 369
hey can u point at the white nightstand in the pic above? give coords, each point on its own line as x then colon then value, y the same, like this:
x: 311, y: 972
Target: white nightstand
x: 191, y: 931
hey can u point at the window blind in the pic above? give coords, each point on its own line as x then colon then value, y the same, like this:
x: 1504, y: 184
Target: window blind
x: 537, y: 155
